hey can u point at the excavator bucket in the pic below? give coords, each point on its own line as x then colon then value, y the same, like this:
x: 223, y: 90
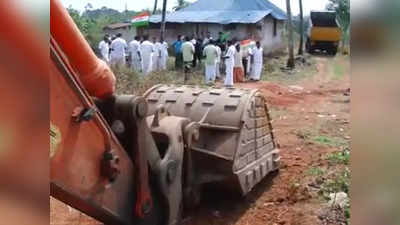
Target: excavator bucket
x: 236, y: 146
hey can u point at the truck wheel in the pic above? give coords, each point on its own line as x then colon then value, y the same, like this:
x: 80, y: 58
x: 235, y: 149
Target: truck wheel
x: 333, y: 51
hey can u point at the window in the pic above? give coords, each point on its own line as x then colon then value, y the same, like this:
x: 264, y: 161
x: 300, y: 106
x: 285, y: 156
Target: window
x: 275, y: 27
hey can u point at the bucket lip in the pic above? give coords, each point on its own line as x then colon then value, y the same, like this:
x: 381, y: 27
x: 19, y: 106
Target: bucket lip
x: 254, y: 93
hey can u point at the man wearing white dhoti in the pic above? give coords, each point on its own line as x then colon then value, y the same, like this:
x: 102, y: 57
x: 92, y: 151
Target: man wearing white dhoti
x: 211, y: 53
x: 146, y: 52
x: 257, y: 66
x: 230, y: 63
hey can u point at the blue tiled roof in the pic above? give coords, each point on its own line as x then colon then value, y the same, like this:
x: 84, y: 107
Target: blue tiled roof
x: 224, y: 12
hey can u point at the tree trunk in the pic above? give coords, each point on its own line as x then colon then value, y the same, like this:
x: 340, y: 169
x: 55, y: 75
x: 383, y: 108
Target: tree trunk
x: 290, y: 63
x: 301, y: 28
x: 164, y: 11
x: 155, y: 6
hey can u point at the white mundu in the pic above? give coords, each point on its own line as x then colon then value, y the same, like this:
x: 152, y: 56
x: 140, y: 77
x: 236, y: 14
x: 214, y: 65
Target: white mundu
x: 156, y: 56
x: 135, y: 58
x: 230, y: 63
x: 104, y: 50
x: 211, y: 60
x: 118, y: 51
x: 218, y: 61
x: 164, y: 55
x: 146, y: 51
x: 257, y: 63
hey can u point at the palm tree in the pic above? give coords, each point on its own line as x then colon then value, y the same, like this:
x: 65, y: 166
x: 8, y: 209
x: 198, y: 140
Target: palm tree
x: 301, y: 28
x: 290, y: 62
x: 155, y: 6
x: 181, y: 4
x: 163, y: 22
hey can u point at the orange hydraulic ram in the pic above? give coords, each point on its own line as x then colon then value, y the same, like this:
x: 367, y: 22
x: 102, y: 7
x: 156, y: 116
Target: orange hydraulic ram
x: 94, y: 73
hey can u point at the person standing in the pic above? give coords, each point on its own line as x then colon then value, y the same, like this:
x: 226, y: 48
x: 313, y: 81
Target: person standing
x: 163, y: 54
x: 146, y: 52
x: 238, y: 68
x: 207, y: 39
x: 229, y: 64
x: 218, y: 63
x: 156, y: 54
x: 135, y: 54
x: 188, y: 55
x: 257, y: 66
x: 211, y: 54
x: 178, y: 52
x: 118, y: 54
x: 198, y: 52
x: 104, y: 48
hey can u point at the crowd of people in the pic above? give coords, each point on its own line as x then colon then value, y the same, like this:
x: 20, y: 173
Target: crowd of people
x: 145, y: 56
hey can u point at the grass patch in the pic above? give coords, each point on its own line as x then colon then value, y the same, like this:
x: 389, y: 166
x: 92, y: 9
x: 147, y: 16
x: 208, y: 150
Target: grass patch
x: 338, y: 70
x: 339, y: 183
x: 274, y: 70
x: 130, y: 82
x: 329, y: 141
x: 342, y: 157
x: 316, y: 171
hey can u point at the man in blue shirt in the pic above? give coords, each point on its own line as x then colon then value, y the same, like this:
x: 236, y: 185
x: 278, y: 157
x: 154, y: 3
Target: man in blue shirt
x: 178, y: 52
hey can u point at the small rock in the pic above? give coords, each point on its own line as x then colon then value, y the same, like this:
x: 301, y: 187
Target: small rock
x: 296, y: 87
x: 298, y: 149
x: 321, y: 116
x: 338, y: 199
x: 268, y: 204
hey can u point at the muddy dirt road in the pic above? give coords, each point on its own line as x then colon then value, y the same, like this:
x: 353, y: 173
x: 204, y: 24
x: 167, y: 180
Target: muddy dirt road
x: 311, y: 121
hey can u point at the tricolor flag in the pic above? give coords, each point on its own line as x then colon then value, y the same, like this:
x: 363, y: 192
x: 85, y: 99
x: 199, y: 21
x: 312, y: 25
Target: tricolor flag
x: 141, y: 20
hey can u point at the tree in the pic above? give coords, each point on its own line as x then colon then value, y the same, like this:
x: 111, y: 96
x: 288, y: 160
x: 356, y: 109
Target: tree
x: 181, y: 4
x: 290, y: 62
x: 301, y: 28
x: 164, y: 12
x: 342, y: 9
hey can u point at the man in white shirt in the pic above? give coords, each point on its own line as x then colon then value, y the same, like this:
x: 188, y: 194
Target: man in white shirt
x: 135, y: 54
x: 104, y: 48
x: 163, y: 48
x: 156, y: 54
x: 207, y: 39
x: 230, y: 63
x: 118, y: 54
x: 257, y: 66
x: 146, y: 52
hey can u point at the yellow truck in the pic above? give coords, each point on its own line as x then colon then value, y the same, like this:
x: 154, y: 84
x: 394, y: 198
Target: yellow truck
x: 323, y: 33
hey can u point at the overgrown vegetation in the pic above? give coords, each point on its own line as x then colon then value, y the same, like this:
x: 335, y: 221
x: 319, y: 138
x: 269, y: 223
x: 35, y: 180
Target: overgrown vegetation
x: 275, y: 70
x: 342, y: 9
x: 130, y: 82
x: 91, y: 21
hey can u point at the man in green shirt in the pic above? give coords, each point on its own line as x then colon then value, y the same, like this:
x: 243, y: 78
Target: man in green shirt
x: 211, y: 54
x: 188, y: 53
